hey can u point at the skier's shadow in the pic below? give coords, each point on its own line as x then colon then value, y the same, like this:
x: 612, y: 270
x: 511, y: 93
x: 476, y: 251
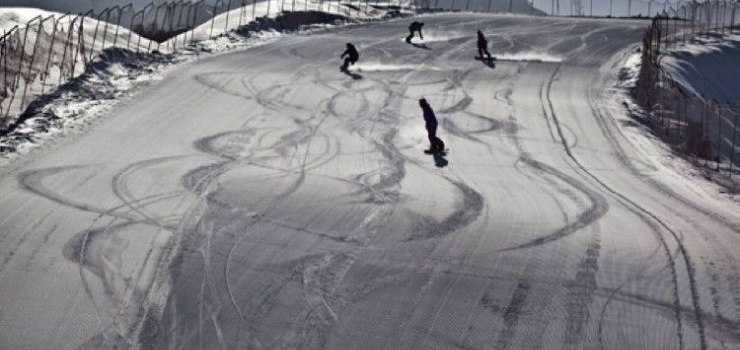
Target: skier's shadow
x: 354, y: 76
x: 421, y: 46
x: 440, y: 161
x: 488, y: 62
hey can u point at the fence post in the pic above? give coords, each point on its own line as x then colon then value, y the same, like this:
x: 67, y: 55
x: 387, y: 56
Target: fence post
x: 80, y: 51
x: 164, y: 23
x: 118, y: 23
x: 4, y: 55
x: 718, y: 109
x: 131, y: 30
x: 33, y: 59
x: 705, y: 120
x: 241, y: 13
x: 95, y: 34
x: 51, y: 52
x: 213, y: 18
x: 154, y: 27
x: 4, y: 91
x: 17, y: 79
x: 734, y: 133
x: 105, y: 27
x: 177, y: 26
x: 198, y: 5
x: 228, y: 9
x: 67, y: 43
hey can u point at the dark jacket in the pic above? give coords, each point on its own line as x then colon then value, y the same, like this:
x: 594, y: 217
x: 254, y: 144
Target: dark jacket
x: 429, y: 118
x: 482, y: 40
x: 351, y: 52
x: 416, y: 26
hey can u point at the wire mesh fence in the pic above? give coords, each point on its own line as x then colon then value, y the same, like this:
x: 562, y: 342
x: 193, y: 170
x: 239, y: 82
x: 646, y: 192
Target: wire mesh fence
x: 702, y: 127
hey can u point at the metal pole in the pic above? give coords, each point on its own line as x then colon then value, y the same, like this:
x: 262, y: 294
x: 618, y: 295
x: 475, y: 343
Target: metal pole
x: 734, y: 133
x: 118, y: 23
x: 51, y: 51
x: 95, y: 34
x: 70, y: 34
x: 241, y: 13
x: 161, y: 29
x: 213, y: 19
x: 4, y: 55
x: 228, y: 9
x: 154, y: 28
x: 611, y: 7
x: 198, y: 5
x: 719, y: 133
x: 23, y: 53
x: 179, y: 21
x: 33, y: 59
x: 80, y: 51
x: 254, y: 7
x: 105, y: 26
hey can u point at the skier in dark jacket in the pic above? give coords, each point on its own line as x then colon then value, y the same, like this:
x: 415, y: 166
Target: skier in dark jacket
x: 352, y: 56
x: 482, y: 46
x: 414, y: 27
x: 430, y: 120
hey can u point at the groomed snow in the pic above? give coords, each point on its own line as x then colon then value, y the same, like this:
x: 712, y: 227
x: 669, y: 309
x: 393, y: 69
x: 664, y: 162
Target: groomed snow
x: 263, y: 199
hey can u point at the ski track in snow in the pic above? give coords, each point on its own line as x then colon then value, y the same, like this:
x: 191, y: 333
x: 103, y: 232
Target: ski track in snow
x: 299, y: 211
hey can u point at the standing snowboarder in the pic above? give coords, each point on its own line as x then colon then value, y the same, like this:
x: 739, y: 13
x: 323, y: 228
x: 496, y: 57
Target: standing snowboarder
x: 352, y: 56
x: 415, y: 27
x: 436, y: 146
x: 482, y: 46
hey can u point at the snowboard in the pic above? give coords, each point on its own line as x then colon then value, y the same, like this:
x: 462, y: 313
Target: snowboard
x: 493, y: 58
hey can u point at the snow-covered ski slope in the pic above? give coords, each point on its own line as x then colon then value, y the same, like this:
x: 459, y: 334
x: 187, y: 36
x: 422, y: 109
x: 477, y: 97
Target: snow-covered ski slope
x: 264, y: 200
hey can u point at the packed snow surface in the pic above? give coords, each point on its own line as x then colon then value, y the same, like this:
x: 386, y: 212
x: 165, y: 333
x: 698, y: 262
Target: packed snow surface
x: 264, y: 199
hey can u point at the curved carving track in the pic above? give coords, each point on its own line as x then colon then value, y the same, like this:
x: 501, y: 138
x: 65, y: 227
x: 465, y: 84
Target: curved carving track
x: 263, y: 199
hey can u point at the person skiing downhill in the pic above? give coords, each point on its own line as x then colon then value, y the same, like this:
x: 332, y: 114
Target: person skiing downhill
x: 482, y: 46
x: 415, y: 27
x: 436, y: 146
x: 352, y: 56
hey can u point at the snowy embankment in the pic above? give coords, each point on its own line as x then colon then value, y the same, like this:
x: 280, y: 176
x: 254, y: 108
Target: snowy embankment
x: 708, y: 67
x: 696, y: 93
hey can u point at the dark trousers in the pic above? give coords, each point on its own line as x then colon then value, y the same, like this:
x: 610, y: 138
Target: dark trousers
x: 482, y: 50
x: 411, y: 36
x: 347, y: 62
x: 435, y: 144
